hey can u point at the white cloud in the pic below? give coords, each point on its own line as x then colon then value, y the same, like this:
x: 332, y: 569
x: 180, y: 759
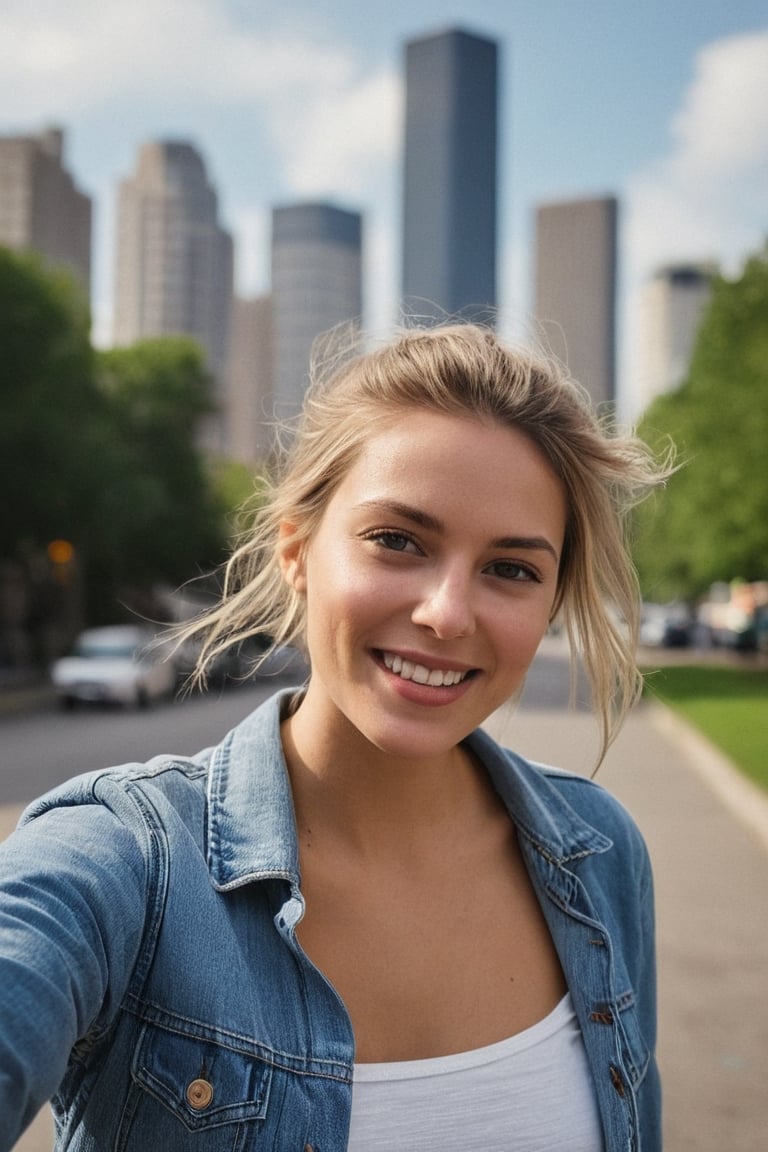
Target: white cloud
x: 723, y: 123
x: 332, y: 123
x: 706, y: 198
x: 346, y: 138
x: 275, y: 80
x: 93, y: 51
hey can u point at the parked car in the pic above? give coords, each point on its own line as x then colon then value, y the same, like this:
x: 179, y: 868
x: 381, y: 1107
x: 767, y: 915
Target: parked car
x: 233, y: 666
x: 666, y: 625
x: 116, y: 665
x: 736, y: 615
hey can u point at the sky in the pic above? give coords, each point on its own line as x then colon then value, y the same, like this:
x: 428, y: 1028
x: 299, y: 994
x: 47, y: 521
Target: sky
x: 663, y: 104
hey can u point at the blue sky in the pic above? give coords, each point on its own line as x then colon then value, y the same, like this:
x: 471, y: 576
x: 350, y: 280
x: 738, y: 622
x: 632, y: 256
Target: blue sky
x: 664, y: 104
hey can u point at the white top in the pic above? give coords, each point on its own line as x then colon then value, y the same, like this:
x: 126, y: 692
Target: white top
x: 532, y: 1093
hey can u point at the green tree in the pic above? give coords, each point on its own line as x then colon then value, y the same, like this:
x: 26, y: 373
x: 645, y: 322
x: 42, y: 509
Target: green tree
x: 239, y: 490
x: 712, y: 521
x: 50, y: 410
x: 99, y: 449
x: 161, y: 517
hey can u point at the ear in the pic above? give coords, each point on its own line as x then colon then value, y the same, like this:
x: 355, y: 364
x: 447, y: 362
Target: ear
x: 291, y: 558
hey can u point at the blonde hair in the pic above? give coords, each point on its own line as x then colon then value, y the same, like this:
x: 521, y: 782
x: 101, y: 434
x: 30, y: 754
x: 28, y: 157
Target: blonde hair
x: 459, y: 369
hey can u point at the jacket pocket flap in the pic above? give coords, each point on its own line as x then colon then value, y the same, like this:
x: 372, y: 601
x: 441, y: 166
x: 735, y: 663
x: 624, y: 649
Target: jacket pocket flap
x: 201, y: 1082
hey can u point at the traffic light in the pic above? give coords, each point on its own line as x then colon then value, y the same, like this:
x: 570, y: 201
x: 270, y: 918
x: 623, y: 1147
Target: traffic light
x: 61, y: 555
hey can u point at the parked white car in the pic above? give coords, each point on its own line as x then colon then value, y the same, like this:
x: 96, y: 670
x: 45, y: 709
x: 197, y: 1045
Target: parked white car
x: 115, y: 665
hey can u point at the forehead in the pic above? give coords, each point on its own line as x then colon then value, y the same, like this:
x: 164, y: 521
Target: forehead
x: 458, y: 462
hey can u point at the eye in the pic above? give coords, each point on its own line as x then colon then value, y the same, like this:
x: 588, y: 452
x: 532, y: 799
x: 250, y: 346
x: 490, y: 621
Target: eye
x: 513, y: 570
x: 393, y: 541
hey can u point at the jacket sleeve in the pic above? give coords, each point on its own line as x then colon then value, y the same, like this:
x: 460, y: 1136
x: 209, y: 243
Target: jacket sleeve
x: 72, y: 909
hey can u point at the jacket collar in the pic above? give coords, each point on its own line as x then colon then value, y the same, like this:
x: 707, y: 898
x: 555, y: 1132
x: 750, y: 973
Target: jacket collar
x: 251, y: 821
x: 252, y: 825
x: 536, y: 804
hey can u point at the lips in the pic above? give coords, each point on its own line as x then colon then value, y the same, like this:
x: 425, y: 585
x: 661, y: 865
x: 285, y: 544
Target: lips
x: 419, y: 674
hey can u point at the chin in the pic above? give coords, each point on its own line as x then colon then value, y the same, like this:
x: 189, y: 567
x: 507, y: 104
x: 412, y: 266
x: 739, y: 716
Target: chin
x: 417, y: 741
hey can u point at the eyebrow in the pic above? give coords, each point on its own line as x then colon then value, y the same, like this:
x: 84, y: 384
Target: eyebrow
x: 433, y: 524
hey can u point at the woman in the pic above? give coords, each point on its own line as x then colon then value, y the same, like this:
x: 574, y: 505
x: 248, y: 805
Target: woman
x: 358, y: 922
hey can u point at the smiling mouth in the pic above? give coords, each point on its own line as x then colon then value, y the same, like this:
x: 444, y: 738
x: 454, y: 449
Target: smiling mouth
x: 433, y: 677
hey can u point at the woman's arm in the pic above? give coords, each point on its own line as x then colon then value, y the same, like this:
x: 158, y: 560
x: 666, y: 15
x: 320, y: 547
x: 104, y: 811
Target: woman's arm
x: 72, y: 909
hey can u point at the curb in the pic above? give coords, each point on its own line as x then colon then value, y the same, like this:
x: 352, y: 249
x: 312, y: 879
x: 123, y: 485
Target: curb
x: 743, y: 799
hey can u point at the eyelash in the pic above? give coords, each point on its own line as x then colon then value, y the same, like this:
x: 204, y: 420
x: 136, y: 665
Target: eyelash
x: 382, y: 535
x: 384, y: 539
x: 528, y: 573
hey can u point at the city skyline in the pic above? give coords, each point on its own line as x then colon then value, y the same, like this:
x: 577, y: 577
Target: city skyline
x: 666, y: 108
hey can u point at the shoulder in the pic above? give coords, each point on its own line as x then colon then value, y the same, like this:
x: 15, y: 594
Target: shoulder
x: 567, y: 815
x: 591, y: 800
x: 135, y: 797
x: 629, y: 859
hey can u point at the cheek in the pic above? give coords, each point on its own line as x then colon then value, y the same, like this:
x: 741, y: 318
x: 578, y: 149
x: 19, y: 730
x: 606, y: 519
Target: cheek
x: 340, y: 595
x: 521, y: 633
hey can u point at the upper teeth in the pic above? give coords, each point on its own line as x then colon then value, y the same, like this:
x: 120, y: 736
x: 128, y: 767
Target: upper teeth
x: 436, y: 677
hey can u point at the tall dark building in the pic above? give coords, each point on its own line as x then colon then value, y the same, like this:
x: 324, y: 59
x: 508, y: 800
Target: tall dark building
x: 449, y: 217
x: 575, y: 289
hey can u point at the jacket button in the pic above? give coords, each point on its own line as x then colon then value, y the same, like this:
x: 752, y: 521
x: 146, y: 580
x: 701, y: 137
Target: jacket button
x: 199, y: 1094
x: 617, y: 1081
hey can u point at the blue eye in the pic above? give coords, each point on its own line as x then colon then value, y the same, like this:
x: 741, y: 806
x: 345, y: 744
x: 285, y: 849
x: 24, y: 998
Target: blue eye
x: 511, y: 570
x: 394, y: 541
x: 391, y: 540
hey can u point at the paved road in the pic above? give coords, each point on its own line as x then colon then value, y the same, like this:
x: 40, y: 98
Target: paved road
x: 709, y: 843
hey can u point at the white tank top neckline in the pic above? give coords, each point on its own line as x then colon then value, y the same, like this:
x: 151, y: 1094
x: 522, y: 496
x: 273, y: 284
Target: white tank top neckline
x: 531, y: 1092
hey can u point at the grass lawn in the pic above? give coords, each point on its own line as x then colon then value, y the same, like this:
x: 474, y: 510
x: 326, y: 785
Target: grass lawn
x: 729, y: 705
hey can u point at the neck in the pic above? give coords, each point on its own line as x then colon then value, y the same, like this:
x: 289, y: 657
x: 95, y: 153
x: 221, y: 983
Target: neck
x: 373, y: 802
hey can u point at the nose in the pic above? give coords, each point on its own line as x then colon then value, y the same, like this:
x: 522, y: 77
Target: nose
x: 446, y: 605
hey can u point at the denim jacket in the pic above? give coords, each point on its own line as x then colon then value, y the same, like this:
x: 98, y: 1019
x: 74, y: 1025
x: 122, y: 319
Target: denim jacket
x: 151, y: 980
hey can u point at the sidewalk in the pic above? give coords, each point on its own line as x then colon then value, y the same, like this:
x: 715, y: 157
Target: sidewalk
x: 707, y: 830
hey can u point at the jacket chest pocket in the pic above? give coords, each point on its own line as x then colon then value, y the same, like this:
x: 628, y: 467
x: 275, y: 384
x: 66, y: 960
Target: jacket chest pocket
x: 185, y: 1086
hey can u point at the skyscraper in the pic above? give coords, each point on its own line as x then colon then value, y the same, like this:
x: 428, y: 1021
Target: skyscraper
x: 316, y: 285
x: 174, y: 260
x: 449, y: 209
x: 672, y: 306
x: 249, y: 393
x: 40, y: 206
x: 575, y: 289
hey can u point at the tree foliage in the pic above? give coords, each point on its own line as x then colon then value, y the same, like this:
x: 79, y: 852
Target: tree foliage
x: 100, y: 449
x: 50, y: 409
x: 161, y: 515
x: 712, y: 522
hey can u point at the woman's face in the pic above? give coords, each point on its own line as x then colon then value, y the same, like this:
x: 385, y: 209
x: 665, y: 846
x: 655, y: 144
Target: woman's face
x: 429, y: 582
